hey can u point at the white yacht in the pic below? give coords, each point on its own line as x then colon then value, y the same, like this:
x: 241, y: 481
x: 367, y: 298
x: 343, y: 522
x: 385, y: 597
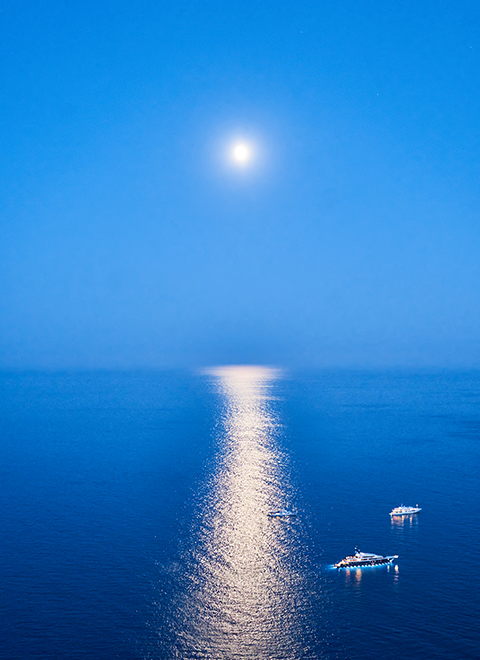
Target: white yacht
x: 405, y: 510
x: 283, y: 513
x: 364, y: 559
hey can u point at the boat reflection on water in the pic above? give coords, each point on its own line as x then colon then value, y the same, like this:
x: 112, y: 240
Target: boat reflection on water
x: 354, y: 575
x: 404, y: 521
x: 243, y: 594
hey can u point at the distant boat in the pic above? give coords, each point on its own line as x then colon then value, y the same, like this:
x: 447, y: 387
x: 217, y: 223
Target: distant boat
x: 405, y: 510
x: 364, y: 559
x: 283, y: 513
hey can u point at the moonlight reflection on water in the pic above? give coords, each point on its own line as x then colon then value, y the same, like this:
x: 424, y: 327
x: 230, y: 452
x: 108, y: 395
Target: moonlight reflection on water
x: 242, y: 597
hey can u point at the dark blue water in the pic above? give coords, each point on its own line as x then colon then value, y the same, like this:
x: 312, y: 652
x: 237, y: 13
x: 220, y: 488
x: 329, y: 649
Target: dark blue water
x: 133, y: 511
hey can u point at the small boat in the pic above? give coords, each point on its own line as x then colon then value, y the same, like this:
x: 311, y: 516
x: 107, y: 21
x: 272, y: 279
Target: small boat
x: 283, y: 513
x: 364, y: 559
x: 405, y: 510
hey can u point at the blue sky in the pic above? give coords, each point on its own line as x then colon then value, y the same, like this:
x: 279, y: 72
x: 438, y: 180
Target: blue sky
x: 128, y: 239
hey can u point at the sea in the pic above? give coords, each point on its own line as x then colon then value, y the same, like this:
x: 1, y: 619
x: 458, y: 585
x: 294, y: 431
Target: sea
x: 134, y: 514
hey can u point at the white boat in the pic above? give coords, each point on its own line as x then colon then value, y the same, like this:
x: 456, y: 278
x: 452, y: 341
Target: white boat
x: 283, y: 513
x: 405, y: 510
x: 364, y: 559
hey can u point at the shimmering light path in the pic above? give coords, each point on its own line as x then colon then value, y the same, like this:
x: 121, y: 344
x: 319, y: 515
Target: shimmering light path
x: 243, y: 595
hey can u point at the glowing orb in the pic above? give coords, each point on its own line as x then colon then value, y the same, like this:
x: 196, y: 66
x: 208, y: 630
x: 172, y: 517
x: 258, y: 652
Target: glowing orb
x: 241, y: 153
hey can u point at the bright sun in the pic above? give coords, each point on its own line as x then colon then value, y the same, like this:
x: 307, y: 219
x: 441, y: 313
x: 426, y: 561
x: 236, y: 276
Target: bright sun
x: 241, y: 153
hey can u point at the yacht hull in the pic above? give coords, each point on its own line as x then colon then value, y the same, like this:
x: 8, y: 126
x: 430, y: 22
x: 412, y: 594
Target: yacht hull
x: 371, y: 562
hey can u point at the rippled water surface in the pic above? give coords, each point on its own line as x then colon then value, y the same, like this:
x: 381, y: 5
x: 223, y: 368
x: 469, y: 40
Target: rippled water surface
x: 134, y: 515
